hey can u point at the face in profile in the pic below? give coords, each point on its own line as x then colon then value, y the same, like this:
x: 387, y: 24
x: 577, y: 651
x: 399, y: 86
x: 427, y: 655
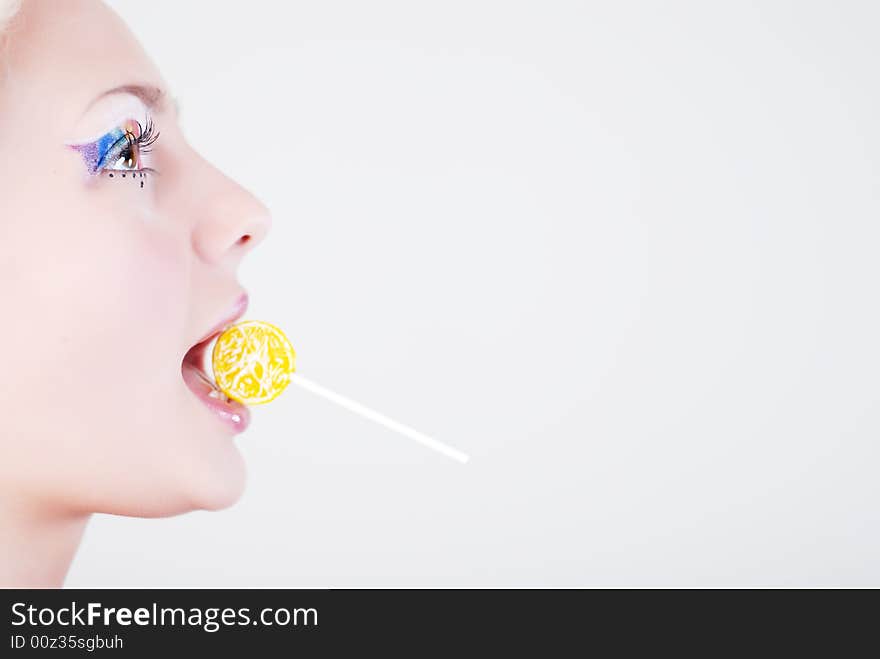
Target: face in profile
x: 118, y: 261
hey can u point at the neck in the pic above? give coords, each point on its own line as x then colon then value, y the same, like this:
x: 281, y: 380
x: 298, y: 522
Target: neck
x: 37, y: 545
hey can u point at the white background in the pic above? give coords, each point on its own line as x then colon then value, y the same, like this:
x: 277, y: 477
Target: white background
x: 622, y: 253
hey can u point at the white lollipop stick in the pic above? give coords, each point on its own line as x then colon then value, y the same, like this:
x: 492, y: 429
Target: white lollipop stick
x: 381, y: 419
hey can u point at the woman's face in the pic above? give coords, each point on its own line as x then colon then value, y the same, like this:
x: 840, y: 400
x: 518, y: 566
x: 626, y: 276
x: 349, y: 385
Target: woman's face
x: 109, y: 275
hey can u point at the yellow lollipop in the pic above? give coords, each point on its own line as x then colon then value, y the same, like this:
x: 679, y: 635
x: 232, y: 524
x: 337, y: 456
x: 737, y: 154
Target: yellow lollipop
x: 253, y: 362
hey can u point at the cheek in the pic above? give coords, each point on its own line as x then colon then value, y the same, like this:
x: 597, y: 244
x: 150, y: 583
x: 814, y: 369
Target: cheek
x: 120, y: 290
x: 92, y: 260
x: 100, y: 305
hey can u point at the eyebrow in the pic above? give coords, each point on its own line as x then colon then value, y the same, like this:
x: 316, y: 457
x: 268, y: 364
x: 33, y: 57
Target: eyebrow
x: 153, y: 97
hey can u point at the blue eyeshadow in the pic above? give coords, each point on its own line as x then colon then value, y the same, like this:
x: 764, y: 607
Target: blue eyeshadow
x: 95, y: 153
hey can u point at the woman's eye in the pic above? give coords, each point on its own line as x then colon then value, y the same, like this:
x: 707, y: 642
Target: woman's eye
x: 121, y: 149
x: 122, y: 155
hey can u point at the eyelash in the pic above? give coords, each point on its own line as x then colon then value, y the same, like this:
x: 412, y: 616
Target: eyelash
x: 147, y: 136
x: 143, y: 143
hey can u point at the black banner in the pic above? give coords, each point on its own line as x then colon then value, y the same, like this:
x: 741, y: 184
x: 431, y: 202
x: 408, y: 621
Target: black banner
x: 412, y: 622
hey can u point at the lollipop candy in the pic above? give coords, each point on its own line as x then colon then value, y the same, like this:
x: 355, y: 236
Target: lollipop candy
x: 254, y: 362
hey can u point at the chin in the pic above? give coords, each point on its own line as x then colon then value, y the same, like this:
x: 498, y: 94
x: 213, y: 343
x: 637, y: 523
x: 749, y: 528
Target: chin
x: 209, y: 474
x: 185, y: 460
x: 211, y: 479
x: 208, y: 469
x: 220, y: 486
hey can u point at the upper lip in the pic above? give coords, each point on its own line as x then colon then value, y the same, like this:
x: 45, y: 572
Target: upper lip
x: 236, y: 311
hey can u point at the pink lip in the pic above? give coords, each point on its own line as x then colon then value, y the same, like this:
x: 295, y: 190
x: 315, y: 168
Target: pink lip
x: 234, y: 415
x: 231, y: 413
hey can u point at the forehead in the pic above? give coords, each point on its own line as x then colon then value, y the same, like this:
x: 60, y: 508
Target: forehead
x: 64, y: 54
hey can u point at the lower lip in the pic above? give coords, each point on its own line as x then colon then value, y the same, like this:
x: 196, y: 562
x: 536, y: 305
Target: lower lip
x: 231, y: 413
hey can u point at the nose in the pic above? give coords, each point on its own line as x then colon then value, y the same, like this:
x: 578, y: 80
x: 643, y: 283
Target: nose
x: 230, y: 221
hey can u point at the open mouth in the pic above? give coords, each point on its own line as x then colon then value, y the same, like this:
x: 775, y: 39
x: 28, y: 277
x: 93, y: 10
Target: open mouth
x: 231, y: 413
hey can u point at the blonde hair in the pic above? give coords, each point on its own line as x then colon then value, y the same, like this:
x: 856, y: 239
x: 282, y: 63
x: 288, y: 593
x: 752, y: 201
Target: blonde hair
x: 7, y: 11
x: 8, y: 8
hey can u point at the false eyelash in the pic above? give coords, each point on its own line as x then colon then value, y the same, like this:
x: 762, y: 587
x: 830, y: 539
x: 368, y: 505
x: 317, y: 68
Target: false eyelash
x: 147, y: 136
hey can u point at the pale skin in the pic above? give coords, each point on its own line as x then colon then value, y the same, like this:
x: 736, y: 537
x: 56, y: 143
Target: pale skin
x: 105, y: 287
